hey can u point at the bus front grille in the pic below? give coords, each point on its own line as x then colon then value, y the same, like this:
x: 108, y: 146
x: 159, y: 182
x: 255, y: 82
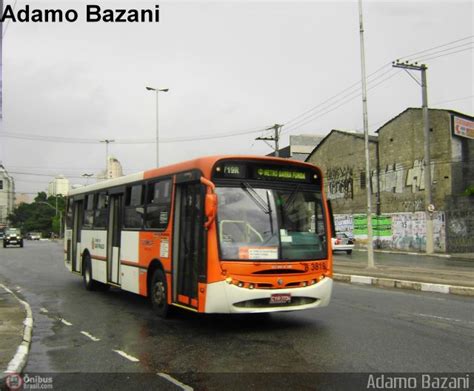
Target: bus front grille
x: 265, y: 303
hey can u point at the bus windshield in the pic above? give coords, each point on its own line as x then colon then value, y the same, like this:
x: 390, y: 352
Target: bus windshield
x: 270, y: 224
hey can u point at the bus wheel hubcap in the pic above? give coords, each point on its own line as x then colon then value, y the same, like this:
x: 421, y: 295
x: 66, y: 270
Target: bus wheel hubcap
x: 159, y: 293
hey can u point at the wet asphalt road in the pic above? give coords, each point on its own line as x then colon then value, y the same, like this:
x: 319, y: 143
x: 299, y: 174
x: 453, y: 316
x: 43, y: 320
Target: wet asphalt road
x: 364, y: 329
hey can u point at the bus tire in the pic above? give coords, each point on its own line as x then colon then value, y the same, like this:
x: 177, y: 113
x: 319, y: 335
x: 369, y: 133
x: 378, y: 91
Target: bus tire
x: 89, y: 283
x: 349, y: 252
x: 158, y: 293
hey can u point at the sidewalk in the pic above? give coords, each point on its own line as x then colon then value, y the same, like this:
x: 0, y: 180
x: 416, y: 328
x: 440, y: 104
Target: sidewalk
x: 394, y: 269
x: 15, y: 332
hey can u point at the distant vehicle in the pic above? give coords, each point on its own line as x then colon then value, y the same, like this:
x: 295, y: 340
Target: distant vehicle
x: 34, y: 236
x: 342, y: 242
x: 12, y: 236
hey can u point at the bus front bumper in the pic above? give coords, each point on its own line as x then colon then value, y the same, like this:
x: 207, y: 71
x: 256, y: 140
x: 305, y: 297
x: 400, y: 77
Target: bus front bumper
x: 222, y: 297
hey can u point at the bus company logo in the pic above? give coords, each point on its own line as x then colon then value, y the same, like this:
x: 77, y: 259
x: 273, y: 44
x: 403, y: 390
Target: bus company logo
x: 97, y: 243
x: 14, y: 381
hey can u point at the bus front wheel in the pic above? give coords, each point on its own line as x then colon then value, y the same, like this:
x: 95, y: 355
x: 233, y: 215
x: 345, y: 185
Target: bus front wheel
x: 158, y: 293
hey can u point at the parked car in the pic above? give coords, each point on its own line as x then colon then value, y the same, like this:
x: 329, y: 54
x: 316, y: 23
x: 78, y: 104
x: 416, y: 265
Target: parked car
x: 12, y: 236
x: 34, y: 236
x: 342, y: 242
x: 2, y: 235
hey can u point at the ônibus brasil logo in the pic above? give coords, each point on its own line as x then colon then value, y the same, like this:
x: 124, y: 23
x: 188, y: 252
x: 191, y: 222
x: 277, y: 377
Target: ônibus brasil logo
x: 14, y: 381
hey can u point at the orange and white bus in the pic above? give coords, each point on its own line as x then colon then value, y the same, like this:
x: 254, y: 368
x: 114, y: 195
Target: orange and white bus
x: 222, y: 234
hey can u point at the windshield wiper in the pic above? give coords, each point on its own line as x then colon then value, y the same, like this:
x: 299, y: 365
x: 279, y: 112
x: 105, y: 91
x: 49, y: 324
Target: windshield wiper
x: 291, y: 198
x: 259, y: 201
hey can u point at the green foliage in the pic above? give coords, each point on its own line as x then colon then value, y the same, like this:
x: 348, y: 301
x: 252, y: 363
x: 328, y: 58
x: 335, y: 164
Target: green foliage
x: 40, y: 215
x: 470, y: 190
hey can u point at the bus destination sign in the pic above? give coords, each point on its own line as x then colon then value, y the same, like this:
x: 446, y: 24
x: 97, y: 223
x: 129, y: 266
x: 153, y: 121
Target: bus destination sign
x: 277, y: 173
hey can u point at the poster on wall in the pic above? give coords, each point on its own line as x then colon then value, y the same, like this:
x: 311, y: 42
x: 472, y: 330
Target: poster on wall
x: 463, y: 127
x: 381, y: 225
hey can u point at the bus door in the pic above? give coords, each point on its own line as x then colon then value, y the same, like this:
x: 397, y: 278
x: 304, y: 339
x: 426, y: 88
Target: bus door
x: 78, y: 211
x: 188, y: 254
x: 113, y: 238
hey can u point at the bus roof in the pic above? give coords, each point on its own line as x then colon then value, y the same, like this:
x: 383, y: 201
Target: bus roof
x: 204, y: 164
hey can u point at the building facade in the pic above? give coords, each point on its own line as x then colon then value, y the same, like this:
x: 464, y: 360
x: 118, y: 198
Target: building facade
x: 59, y: 186
x: 397, y: 181
x: 7, y: 196
x: 113, y: 170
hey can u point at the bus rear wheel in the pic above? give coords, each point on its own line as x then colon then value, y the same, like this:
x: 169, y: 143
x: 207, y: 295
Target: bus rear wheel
x: 89, y: 283
x: 158, y: 293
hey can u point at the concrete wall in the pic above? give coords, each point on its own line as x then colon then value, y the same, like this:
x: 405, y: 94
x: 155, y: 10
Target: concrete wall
x: 341, y: 157
x: 401, y: 144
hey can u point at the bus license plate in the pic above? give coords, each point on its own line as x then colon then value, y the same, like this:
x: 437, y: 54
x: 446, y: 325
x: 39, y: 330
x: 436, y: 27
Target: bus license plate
x: 280, y: 298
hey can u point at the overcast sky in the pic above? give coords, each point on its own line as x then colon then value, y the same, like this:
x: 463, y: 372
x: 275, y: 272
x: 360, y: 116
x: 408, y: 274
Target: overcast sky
x: 230, y: 67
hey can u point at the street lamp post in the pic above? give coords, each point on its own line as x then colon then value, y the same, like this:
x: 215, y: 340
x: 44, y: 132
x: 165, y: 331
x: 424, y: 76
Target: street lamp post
x: 157, y: 91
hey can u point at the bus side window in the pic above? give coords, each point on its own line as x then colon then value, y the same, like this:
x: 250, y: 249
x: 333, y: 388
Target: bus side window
x: 134, y: 209
x: 89, y: 212
x: 100, y: 212
x: 69, y: 213
x: 158, y: 203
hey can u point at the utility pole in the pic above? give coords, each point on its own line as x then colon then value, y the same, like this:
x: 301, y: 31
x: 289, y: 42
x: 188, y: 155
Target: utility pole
x: 107, y: 142
x: 368, y: 185
x: 275, y: 138
x: 429, y: 207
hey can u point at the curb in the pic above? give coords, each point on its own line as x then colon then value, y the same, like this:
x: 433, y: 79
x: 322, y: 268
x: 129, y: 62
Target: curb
x: 404, y: 284
x: 18, y: 362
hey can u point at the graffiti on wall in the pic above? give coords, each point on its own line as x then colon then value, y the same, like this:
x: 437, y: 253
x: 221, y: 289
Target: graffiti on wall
x: 460, y: 229
x: 401, y: 231
x: 416, y: 176
x: 394, y: 177
x: 344, y: 223
x: 340, y: 182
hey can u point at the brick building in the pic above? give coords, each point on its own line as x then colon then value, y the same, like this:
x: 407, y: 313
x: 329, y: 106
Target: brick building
x: 397, y: 180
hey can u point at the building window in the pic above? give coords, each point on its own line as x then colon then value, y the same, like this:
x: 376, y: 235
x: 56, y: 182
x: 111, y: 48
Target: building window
x: 362, y: 181
x: 1, y: 185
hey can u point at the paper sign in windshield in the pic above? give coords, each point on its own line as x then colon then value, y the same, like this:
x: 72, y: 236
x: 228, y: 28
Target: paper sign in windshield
x: 258, y: 253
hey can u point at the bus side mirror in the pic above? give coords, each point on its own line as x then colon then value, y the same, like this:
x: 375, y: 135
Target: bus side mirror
x: 211, y: 208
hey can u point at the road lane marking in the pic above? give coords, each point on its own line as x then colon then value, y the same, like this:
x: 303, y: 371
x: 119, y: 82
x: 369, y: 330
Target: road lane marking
x: 175, y: 382
x: 64, y: 321
x: 43, y: 310
x: 95, y: 339
x: 443, y: 318
x: 127, y: 356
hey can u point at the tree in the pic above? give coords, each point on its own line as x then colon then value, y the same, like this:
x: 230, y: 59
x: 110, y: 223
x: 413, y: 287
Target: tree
x: 40, y: 215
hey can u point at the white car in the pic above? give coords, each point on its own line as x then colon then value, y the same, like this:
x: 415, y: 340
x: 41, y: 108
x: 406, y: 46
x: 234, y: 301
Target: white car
x: 342, y: 242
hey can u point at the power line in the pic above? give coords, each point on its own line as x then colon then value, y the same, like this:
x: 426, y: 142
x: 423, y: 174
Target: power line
x: 351, y: 87
x: 436, y: 47
x: 321, y: 114
x: 453, y: 100
x: 355, y: 91
x: 447, y: 54
x: 422, y: 58
x: 72, y: 140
